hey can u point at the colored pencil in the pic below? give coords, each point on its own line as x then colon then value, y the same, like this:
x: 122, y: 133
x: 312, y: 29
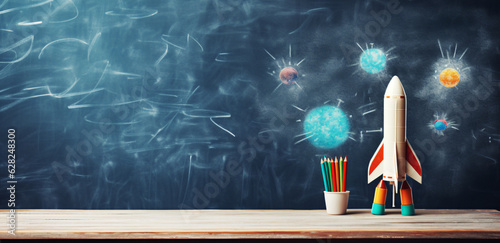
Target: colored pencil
x: 328, y: 176
x: 344, y: 172
x: 334, y: 177
x: 324, y: 174
x: 341, y: 172
x: 327, y: 167
x: 337, y: 172
x: 327, y: 170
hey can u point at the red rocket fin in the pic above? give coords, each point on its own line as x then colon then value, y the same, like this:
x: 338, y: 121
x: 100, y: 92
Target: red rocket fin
x: 374, y: 168
x: 413, y: 168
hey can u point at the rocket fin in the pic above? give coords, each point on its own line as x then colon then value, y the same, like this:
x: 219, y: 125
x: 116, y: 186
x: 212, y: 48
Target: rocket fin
x: 413, y: 168
x: 374, y: 168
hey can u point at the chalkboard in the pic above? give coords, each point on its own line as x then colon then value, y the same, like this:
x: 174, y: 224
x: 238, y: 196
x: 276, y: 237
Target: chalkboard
x: 180, y: 104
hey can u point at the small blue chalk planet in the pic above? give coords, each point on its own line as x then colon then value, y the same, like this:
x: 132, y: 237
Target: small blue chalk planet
x: 440, y: 124
x: 372, y: 60
x: 326, y: 126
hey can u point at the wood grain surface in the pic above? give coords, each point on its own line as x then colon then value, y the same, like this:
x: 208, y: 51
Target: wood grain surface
x: 250, y: 224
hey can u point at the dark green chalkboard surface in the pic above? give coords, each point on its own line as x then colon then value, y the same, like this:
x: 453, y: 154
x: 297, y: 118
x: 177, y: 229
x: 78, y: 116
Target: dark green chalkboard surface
x: 180, y: 104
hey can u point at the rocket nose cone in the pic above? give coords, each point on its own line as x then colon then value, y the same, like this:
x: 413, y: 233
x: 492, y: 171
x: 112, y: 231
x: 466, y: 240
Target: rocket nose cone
x: 395, y: 87
x: 395, y: 79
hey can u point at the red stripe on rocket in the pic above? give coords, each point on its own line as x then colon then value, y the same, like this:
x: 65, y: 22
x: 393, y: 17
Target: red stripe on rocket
x: 395, y: 158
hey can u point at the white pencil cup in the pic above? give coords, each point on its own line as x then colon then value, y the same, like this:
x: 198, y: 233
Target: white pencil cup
x: 336, y: 202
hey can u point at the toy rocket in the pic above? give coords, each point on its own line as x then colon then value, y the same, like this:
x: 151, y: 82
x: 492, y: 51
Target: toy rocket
x: 395, y: 158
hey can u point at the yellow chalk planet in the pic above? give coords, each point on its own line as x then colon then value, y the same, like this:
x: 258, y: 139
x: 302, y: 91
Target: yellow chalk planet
x: 449, y: 77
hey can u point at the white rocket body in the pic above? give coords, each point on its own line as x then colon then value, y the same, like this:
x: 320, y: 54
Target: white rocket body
x: 394, y: 158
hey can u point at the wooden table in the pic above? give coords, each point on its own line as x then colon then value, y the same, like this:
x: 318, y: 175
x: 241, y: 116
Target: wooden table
x: 251, y: 224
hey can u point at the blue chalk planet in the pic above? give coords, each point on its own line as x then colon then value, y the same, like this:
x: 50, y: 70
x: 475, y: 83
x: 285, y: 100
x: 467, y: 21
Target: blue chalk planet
x: 440, y: 124
x: 326, y: 126
x: 372, y: 60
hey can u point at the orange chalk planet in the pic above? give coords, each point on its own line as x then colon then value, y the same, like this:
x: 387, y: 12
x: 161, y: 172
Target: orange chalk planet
x: 289, y: 75
x: 449, y: 77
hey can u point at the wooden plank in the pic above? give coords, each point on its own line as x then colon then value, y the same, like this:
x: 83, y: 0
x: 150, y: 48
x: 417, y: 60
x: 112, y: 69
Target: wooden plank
x: 250, y: 224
